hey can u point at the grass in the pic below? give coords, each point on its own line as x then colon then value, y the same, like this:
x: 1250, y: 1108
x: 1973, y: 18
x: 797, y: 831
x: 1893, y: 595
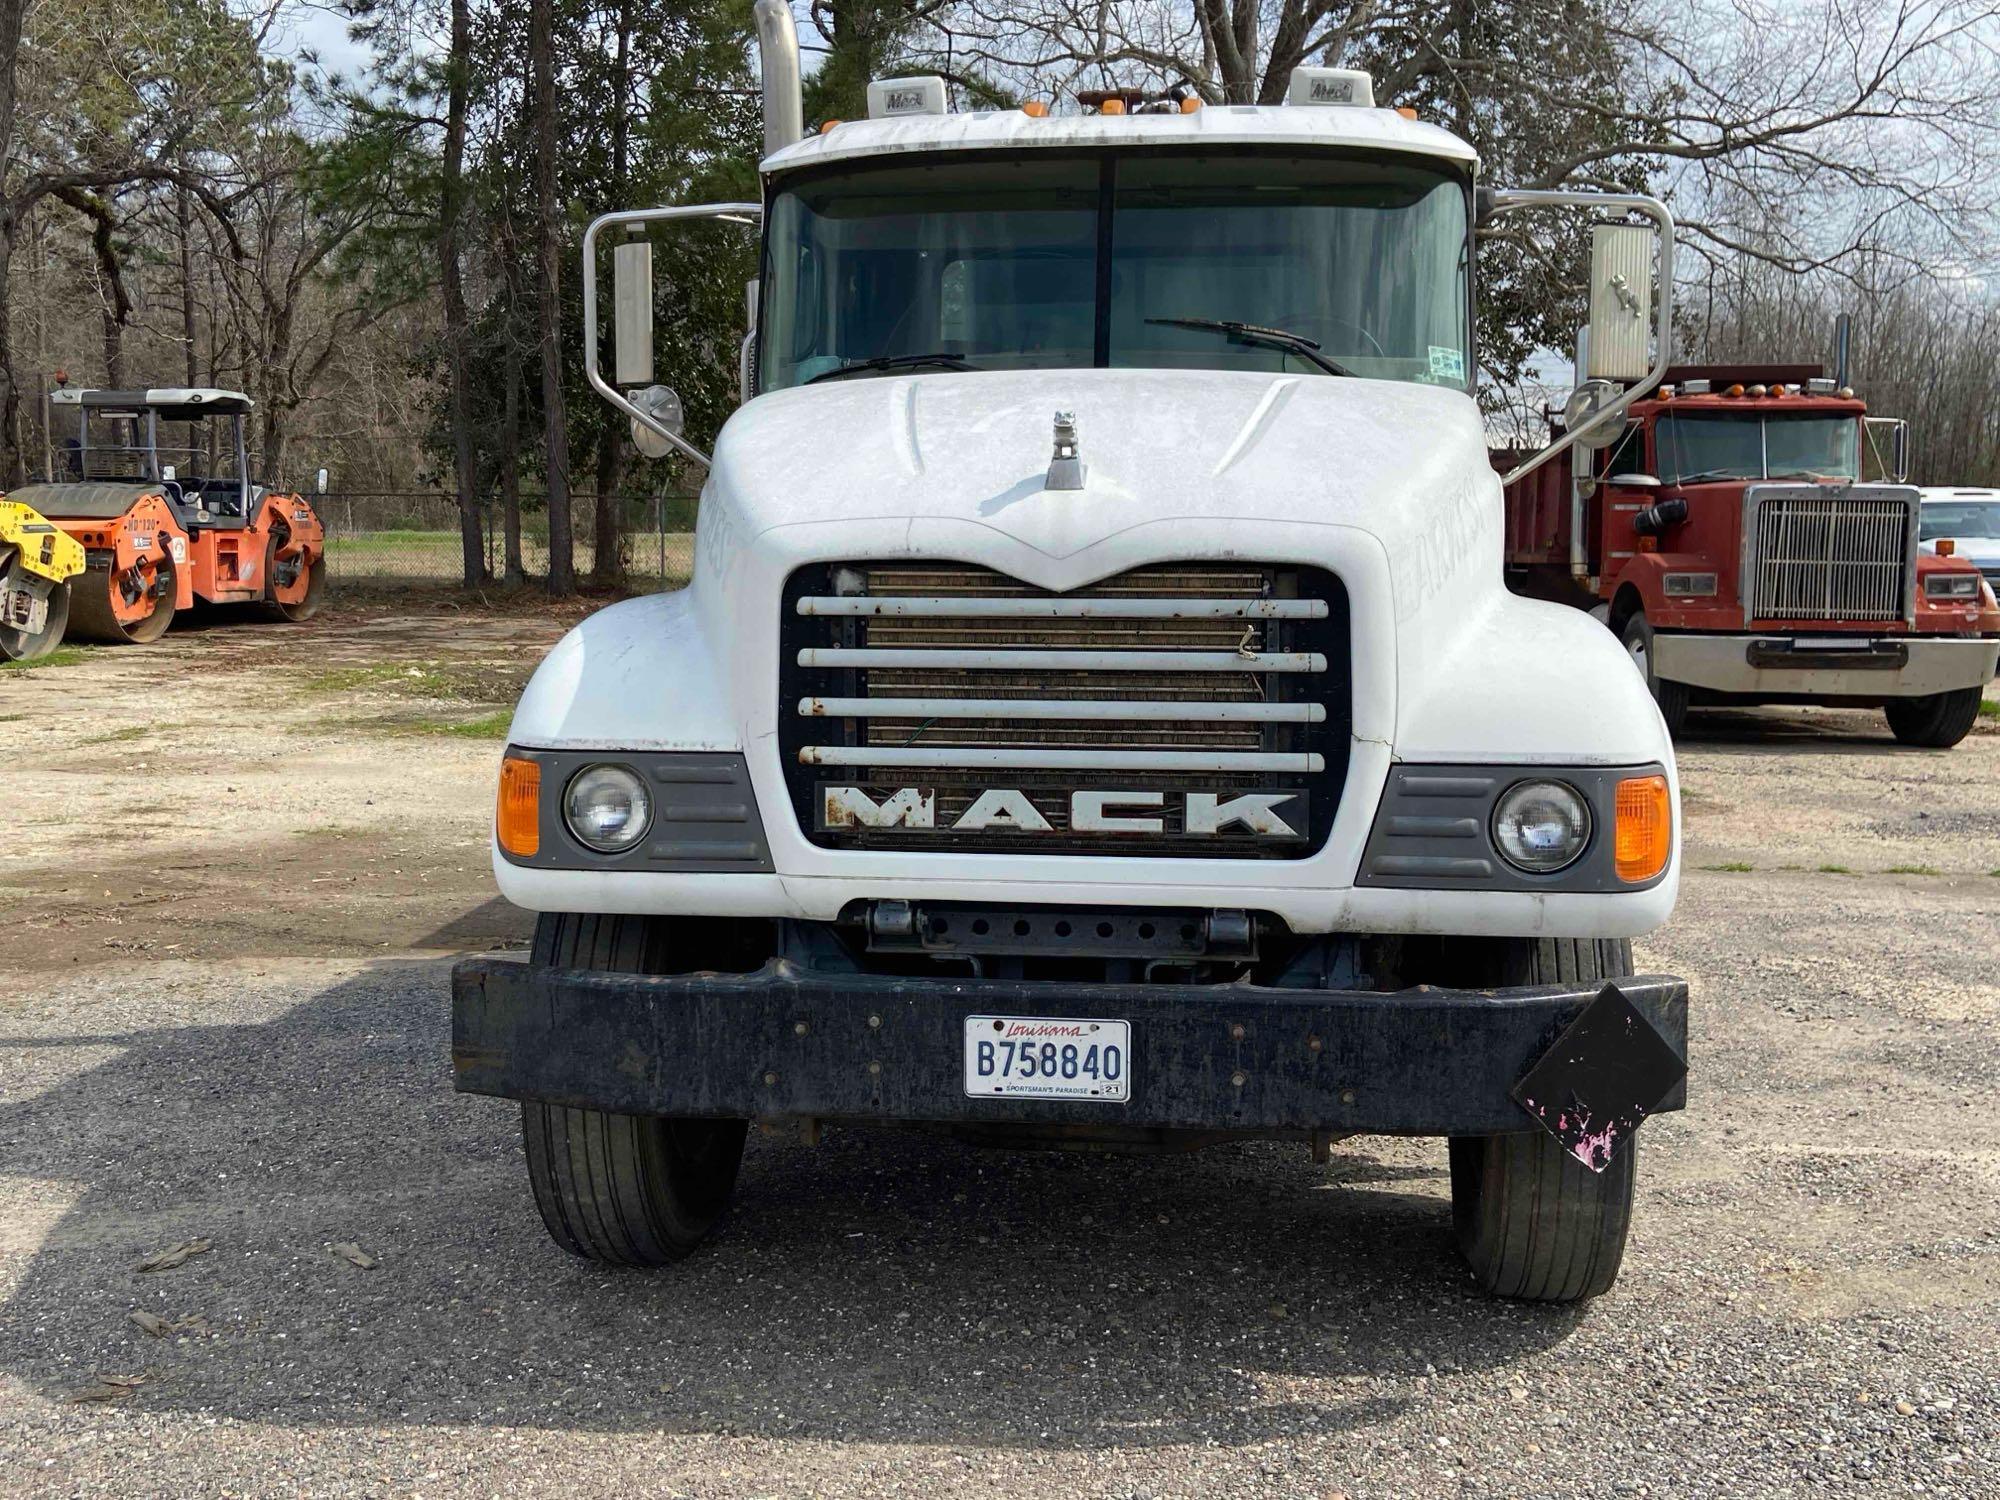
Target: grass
x: 62, y: 656
x: 1732, y: 867
x: 1835, y: 870
x: 412, y: 677
x: 486, y: 727
x: 1913, y: 870
x: 123, y: 736
x: 1989, y: 708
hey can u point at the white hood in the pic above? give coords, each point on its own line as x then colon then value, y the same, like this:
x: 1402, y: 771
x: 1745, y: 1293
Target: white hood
x: 1156, y: 445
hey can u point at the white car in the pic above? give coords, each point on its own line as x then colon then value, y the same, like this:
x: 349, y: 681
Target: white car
x: 1970, y: 519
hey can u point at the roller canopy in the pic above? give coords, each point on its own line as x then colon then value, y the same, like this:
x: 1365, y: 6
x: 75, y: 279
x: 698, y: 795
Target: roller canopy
x: 173, y: 403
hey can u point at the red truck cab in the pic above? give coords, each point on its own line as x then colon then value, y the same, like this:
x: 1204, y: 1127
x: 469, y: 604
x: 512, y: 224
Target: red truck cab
x: 1730, y: 536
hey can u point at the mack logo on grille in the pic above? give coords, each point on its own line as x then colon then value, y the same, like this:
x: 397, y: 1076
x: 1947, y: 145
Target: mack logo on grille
x: 1254, y: 815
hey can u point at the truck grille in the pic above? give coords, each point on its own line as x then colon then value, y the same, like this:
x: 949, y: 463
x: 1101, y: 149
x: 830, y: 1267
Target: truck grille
x: 1831, y: 556
x: 940, y: 682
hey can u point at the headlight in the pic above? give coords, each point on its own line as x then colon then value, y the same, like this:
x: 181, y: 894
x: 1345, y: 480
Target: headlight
x: 607, y: 808
x: 1963, y: 586
x: 1541, y: 826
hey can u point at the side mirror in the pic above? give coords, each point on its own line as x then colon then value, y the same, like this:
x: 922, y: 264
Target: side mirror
x: 166, y: 473
x: 1584, y: 403
x: 1621, y: 302
x: 663, y: 404
x: 632, y: 312
x: 319, y: 482
x: 1640, y: 481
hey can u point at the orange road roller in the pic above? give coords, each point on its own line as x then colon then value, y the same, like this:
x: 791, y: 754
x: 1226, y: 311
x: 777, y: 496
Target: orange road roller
x: 168, y: 524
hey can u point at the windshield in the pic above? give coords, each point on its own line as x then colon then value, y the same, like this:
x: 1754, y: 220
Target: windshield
x: 1689, y: 449
x: 1061, y: 261
x: 1980, y: 518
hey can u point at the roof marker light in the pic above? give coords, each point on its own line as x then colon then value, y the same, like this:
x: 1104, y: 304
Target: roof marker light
x: 1406, y: 112
x: 1820, y: 385
x: 893, y: 98
x: 1190, y: 103
x: 1846, y: 393
x: 1734, y: 390
x: 1112, y: 107
x: 1696, y: 387
x: 828, y: 125
x: 1339, y: 86
x: 1758, y: 390
x: 1035, y: 109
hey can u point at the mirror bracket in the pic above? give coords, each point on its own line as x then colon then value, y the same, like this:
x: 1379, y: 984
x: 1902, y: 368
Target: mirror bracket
x: 747, y: 213
x: 1492, y: 203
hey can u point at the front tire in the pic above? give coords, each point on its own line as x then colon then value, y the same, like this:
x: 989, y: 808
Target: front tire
x: 626, y: 1190
x: 1532, y: 1221
x: 1671, y: 696
x: 1934, y: 722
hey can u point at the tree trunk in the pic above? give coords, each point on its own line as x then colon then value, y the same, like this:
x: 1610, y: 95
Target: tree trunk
x: 510, y: 464
x: 457, y: 332
x: 607, y: 558
x: 184, y: 218
x: 11, y: 469
x: 548, y: 315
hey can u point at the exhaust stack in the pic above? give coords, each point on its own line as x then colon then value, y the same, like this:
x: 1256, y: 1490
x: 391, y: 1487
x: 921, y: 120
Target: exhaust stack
x: 778, y: 53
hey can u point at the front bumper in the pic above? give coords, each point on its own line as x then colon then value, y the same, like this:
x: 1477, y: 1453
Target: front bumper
x: 1881, y: 667
x: 784, y: 1042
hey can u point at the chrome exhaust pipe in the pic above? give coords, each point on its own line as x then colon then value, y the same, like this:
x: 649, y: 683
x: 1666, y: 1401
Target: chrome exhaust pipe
x: 778, y: 54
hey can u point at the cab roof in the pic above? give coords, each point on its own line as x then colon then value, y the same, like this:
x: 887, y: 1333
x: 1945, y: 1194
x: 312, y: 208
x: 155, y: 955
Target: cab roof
x: 174, y: 403
x: 1273, y: 125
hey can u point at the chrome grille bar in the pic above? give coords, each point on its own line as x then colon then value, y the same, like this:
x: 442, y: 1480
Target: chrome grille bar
x: 1093, y: 661
x: 1062, y: 708
x: 1057, y: 609
x: 1080, y: 760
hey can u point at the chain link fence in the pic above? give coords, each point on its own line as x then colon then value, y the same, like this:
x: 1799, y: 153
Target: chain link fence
x: 410, y: 538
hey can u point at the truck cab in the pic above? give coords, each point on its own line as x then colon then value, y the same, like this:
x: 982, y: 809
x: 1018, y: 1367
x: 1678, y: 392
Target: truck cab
x: 1096, y: 719
x: 1748, y: 536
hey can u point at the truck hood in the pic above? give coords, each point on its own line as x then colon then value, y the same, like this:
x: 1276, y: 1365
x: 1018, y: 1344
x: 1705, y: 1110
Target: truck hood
x: 1156, y: 445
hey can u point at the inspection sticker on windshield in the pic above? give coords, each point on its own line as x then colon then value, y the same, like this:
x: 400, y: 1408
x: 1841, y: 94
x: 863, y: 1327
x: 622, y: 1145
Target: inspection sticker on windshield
x: 1447, y: 364
x: 1046, y: 1057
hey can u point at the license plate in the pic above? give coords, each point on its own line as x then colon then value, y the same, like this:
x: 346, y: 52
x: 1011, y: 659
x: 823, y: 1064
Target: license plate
x: 1048, y: 1057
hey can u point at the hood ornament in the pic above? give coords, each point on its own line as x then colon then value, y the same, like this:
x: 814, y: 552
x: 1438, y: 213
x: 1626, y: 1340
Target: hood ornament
x: 1066, y: 468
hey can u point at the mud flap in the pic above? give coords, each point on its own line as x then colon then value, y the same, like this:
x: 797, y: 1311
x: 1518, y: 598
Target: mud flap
x: 1606, y: 1073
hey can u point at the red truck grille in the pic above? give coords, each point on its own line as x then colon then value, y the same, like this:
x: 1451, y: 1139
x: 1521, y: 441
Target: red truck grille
x: 1831, y: 555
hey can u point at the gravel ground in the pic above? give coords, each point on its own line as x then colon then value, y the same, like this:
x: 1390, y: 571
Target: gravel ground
x: 1811, y: 1299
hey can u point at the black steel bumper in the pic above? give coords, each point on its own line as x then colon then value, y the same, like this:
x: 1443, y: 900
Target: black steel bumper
x: 785, y: 1042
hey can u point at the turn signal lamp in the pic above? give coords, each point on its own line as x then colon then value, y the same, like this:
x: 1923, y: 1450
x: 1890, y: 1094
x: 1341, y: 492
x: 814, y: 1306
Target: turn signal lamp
x: 1643, y: 839
x: 517, y: 819
x: 1035, y: 109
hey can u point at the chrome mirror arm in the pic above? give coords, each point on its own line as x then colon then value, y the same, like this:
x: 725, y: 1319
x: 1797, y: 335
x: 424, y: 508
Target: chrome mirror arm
x: 746, y: 213
x: 1497, y: 201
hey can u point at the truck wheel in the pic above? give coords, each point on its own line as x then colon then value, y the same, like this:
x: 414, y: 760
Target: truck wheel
x: 1533, y: 1221
x: 1937, y: 721
x: 628, y: 1190
x: 1671, y: 696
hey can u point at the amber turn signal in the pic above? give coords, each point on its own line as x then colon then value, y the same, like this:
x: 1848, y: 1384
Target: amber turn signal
x: 517, y: 819
x: 1644, y: 836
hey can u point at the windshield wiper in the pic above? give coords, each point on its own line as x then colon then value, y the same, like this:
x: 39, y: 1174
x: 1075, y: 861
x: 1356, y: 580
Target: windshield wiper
x: 1251, y: 333
x: 1708, y: 476
x: 894, y: 362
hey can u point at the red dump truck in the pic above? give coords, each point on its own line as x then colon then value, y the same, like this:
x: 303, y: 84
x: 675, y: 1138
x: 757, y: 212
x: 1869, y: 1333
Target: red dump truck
x: 1727, y: 532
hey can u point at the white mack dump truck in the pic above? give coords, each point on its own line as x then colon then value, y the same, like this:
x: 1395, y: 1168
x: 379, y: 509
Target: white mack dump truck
x: 1097, y: 718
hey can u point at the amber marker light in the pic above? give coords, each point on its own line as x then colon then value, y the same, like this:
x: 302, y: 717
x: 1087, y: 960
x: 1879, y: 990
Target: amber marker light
x: 1644, y: 833
x: 1112, y: 107
x: 828, y: 126
x: 1035, y: 109
x: 517, y: 819
x: 1190, y: 104
x: 1406, y: 112
x: 1946, y: 547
